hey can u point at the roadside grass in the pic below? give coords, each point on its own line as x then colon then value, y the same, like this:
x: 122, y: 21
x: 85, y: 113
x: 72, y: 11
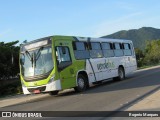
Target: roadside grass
x: 147, y: 66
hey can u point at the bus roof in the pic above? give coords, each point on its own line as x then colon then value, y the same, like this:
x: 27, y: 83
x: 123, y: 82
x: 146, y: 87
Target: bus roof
x: 102, y: 39
x: 85, y: 39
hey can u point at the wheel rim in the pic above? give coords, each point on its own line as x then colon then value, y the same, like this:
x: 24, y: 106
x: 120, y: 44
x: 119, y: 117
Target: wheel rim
x: 81, y: 83
x: 121, y: 75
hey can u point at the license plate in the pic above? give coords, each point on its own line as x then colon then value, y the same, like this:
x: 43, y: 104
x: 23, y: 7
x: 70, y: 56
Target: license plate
x: 36, y: 91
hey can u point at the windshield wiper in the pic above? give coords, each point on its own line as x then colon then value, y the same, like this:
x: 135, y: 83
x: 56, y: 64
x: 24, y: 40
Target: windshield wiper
x: 30, y: 57
x: 34, y: 57
x: 38, y: 55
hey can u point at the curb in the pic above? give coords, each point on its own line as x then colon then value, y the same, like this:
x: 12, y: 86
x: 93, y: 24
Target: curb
x: 148, y: 68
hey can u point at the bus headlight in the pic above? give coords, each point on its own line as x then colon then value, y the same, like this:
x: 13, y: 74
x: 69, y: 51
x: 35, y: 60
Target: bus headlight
x: 52, y: 78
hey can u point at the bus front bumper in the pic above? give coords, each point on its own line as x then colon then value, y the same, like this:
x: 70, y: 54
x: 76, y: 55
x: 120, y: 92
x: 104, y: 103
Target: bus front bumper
x: 52, y: 86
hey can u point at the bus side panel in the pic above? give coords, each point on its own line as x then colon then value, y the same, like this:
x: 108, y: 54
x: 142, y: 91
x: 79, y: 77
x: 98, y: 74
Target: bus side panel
x: 69, y: 75
x: 101, y: 68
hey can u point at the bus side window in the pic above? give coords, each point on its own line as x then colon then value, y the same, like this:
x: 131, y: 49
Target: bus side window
x: 107, y: 49
x: 118, y: 49
x: 96, y: 51
x: 80, y: 50
x: 127, y: 49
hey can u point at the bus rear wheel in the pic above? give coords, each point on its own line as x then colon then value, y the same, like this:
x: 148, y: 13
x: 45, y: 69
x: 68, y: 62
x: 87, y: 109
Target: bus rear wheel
x: 81, y: 83
x: 121, y: 74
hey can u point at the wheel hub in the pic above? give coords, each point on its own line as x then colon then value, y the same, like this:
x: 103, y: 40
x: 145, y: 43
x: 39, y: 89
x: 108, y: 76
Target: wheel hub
x: 81, y: 82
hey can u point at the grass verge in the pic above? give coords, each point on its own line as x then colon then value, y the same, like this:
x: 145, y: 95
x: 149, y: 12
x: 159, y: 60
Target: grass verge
x: 148, y: 66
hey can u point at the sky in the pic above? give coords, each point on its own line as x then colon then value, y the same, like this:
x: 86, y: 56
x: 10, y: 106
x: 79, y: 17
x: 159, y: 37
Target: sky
x: 32, y: 19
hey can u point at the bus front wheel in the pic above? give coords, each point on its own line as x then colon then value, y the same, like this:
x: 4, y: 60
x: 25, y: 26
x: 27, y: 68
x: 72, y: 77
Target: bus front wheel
x: 81, y: 83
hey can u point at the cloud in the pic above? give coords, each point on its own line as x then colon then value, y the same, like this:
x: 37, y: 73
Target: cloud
x: 125, y: 22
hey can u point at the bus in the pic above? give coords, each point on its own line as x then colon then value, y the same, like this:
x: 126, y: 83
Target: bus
x: 56, y: 63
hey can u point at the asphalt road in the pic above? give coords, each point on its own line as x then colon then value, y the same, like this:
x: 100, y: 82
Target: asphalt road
x: 108, y: 96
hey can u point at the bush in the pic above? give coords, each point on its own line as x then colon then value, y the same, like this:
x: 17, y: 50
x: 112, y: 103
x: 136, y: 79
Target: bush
x: 11, y: 88
x: 150, y: 56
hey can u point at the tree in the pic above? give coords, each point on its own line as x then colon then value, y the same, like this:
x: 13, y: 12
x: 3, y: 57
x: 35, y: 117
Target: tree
x: 152, y: 52
x: 139, y: 57
x: 9, y: 59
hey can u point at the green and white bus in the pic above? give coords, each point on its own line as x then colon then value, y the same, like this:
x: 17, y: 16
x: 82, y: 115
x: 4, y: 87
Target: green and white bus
x: 56, y: 63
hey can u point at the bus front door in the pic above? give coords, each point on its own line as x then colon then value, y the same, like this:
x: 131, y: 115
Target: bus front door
x: 65, y: 68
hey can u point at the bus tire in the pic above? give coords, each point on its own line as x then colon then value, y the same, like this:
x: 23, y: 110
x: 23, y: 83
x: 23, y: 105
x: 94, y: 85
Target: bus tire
x: 53, y: 92
x: 81, y: 83
x: 121, y: 74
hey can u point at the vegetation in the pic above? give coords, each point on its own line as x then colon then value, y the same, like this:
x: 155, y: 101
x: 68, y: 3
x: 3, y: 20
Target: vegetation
x: 9, y: 60
x: 9, y: 68
x: 10, y: 87
x: 150, y: 56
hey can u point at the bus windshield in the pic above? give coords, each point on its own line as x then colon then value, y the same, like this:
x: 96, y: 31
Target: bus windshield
x: 36, y: 62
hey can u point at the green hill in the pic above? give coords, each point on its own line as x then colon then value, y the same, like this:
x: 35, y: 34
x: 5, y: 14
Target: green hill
x: 138, y: 36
